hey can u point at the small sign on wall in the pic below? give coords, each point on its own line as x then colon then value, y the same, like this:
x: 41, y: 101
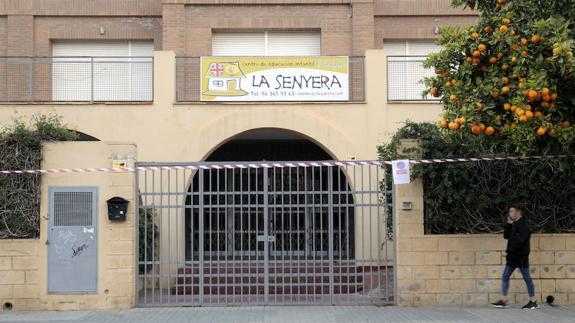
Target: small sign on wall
x: 401, y: 171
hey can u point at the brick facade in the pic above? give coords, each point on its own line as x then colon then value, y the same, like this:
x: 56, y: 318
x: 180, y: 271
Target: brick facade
x: 348, y: 27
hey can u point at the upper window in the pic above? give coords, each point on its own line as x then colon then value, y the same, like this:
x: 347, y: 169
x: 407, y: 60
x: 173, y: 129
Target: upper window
x: 266, y: 44
x: 405, y: 70
x: 102, y: 71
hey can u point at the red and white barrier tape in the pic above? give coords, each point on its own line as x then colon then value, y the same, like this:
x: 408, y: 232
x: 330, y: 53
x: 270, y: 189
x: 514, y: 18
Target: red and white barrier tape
x: 245, y: 165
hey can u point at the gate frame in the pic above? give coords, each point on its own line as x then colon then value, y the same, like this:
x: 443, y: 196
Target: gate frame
x: 201, y: 251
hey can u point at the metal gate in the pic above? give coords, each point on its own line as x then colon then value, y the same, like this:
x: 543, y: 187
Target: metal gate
x: 264, y: 233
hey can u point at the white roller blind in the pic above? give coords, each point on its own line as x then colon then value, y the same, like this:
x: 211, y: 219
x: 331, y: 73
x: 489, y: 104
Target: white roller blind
x: 266, y: 44
x: 114, y: 75
x: 294, y: 44
x: 405, y: 71
x: 238, y: 44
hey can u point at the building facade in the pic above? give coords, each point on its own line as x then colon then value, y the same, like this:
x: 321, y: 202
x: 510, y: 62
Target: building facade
x: 181, y: 82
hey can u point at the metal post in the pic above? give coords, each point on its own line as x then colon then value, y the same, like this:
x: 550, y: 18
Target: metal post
x: 330, y: 232
x: 201, y: 233
x: 137, y: 235
x: 266, y: 238
x: 92, y: 79
x: 394, y: 239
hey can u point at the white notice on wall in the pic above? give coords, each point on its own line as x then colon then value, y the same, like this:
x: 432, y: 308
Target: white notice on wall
x: 401, y: 173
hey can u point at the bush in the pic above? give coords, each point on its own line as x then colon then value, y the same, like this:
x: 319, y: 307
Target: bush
x: 21, y: 148
x: 472, y: 197
x: 148, y: 239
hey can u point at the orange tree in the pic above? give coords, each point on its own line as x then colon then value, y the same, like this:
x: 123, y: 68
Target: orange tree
x: 511, y: 77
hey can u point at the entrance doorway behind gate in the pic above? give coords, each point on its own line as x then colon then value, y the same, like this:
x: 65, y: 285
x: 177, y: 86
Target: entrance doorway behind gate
x: 237, y: 231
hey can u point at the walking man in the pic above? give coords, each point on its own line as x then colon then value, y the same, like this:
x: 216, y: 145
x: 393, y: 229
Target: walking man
x: 517, y: 256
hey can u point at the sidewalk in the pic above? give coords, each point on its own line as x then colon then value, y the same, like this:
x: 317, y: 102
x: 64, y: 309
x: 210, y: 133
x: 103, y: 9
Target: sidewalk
x: 300, y: 314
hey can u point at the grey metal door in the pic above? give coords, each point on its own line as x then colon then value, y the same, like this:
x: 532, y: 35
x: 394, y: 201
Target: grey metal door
x: 264, y: 233
x: 72, y: 240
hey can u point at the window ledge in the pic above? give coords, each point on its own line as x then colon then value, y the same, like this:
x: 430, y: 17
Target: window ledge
x: 413, y: 102
x: 268, y: 103
x: 79, y: 103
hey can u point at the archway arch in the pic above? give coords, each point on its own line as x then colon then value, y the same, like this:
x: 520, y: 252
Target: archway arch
x: 293, y: 205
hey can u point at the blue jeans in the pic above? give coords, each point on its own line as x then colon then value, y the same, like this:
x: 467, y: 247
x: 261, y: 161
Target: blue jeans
x: 526, y: 277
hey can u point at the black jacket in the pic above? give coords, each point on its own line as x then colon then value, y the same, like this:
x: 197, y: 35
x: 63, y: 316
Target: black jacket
x: 517, y: 235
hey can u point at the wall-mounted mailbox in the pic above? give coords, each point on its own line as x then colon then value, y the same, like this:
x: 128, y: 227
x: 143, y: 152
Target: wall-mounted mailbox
x: 117, y: 208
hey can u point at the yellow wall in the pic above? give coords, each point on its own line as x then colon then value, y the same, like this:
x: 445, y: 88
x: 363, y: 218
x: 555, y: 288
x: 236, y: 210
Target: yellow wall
x: 23, y: 263
x: 167, y: 131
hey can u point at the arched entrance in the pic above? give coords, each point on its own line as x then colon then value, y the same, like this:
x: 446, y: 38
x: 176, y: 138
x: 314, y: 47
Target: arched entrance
x: 296, y: 201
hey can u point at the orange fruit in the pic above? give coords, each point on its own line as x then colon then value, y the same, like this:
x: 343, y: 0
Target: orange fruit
x: 460, y: 120
x: 506, y: 106
x: 513, y: 124
x: 546, y: 98
x: 445, y: 74
x: 513, y: 108
x: 528, y: 107
x: 488, y: 29
x: 553, y: 96
x: 532, y: 94
x: 481, y: 47
x: 506, y: 21
x: 475, y: 35
x: 501, y: 2
x: 556, y: 50
x: 521, y: 80
x: 513, y: 60
x: 489, y: 131
x: 505, y: 90
x: 552, y: 106
x: 499, y: 55
x: 478, y: 105
x: 492, y: 60
x: 447, y: 84
x: 512, y: 32
x: 523, y: 42
x: 536, y: 39
x: 476, y: 54
x: 504, y: 67
x: 523, y: 119
x: 519, y: 111
x: 494, y: 94
x: 524, y: 53
x: 529, y: 115
x: 541, y: 131
x: 468, y: 59
x: 503, y: 28
x: 476, y: 61
x: 537, y: 114
x: 454, y: 125
x: 569, y: 53
x: 545, y: 91
x: 505, y: 80
x: 514, y: 46
x: 443, y: 123
x: 482, y: 127
x: 565, y: 124
x: 435, y: 92
x: 545, y: 104
x: 475, y: 129
x: 453, y: 97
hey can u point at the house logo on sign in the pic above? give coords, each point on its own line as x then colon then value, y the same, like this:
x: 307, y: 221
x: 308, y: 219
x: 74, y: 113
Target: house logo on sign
x: 225, y: 79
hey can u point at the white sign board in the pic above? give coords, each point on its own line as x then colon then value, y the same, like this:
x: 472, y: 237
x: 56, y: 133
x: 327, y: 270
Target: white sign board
x: 322, y: 78
x: 401, y: 172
